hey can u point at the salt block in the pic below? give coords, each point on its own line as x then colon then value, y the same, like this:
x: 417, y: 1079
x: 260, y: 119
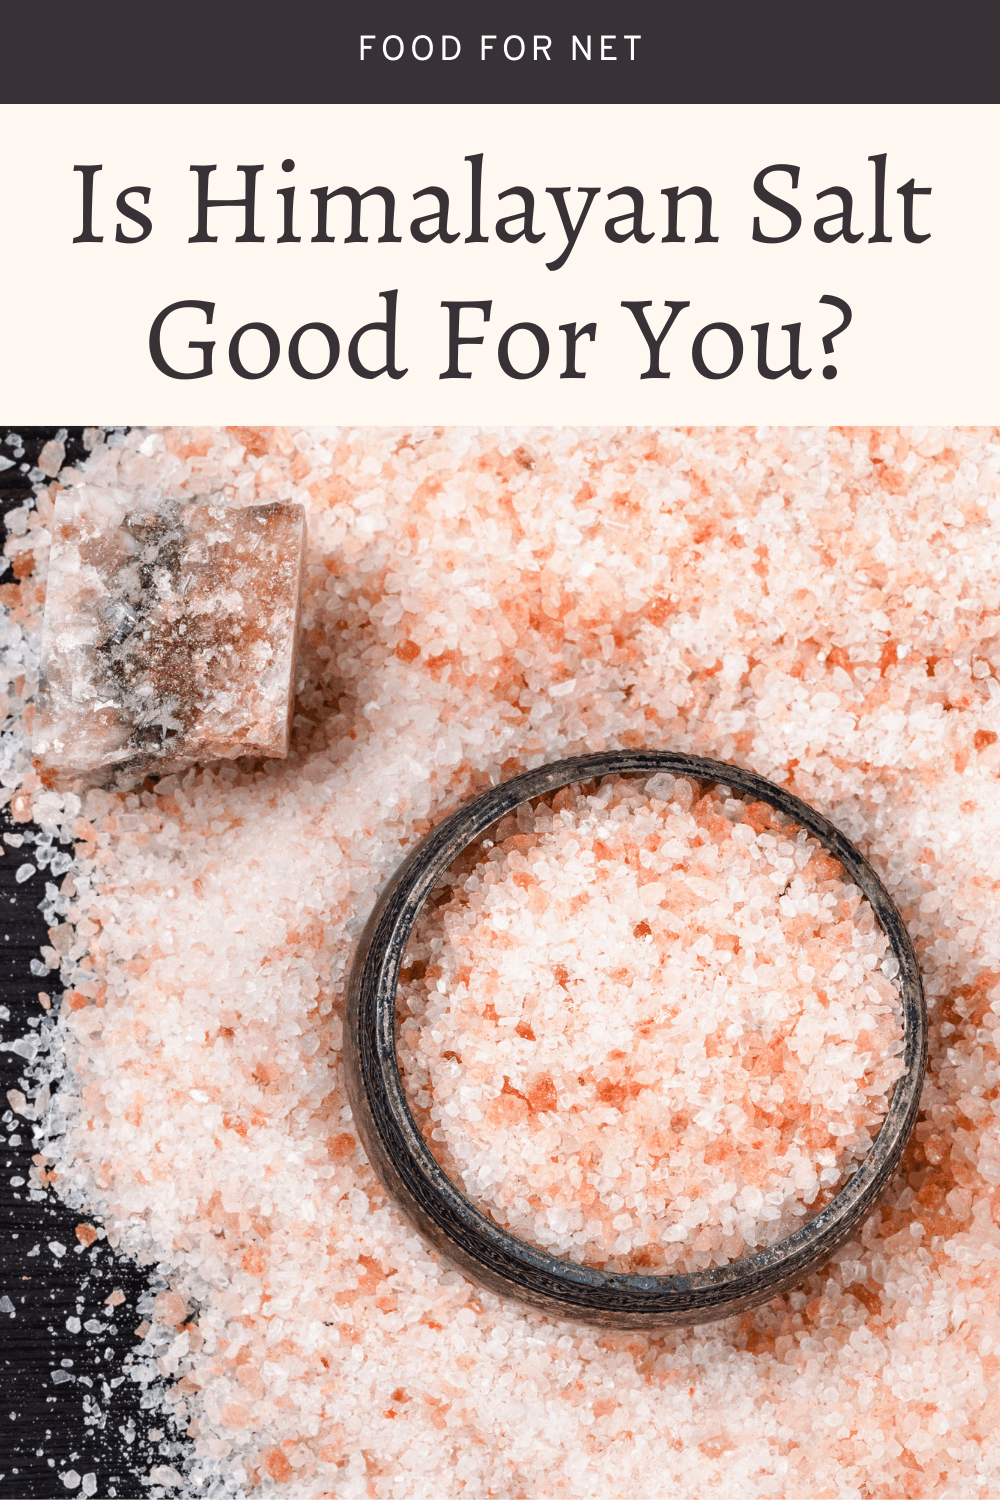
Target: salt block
x: 169, y: 636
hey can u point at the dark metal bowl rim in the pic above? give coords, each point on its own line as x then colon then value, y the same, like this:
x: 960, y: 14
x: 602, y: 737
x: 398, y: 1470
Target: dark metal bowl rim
x: 483, y: 1249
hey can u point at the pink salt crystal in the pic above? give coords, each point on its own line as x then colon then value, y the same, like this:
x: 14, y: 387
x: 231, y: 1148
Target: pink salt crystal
x: 169, y: 1309
x: 50, y: 460
x: 169, y: 636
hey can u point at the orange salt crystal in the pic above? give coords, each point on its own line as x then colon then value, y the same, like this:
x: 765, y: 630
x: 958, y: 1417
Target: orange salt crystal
x: 276, y: 1464
x: 86, y: 1234
x: 254, y: 1261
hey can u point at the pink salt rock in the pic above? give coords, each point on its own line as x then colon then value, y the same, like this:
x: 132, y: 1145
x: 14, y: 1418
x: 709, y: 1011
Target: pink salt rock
x: 169, y: 636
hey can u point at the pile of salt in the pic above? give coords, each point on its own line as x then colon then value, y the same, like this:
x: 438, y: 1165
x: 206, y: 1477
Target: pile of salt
x: 819, y: 604
x: 649, y: 1028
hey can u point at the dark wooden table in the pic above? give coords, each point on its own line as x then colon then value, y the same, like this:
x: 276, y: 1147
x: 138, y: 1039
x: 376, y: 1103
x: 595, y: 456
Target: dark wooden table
x: 48, y: 1427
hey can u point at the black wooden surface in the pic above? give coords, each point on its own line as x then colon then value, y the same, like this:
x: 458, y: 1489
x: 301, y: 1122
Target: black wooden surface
x: 48, y: 1427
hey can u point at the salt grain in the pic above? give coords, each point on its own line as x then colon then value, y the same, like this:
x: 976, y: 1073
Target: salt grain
x: 50, y: 460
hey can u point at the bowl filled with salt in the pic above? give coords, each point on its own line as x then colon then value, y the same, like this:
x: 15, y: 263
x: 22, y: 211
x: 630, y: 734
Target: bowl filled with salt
x: 636, y: 1039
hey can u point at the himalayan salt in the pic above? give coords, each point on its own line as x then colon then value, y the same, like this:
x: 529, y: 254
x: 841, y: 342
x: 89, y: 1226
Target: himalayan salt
x: 169, y: 635
x: 647, y: 1030
x: 821, y: 605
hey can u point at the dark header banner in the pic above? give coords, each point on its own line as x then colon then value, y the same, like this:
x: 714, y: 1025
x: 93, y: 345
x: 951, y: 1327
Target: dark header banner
x: 436, y: 52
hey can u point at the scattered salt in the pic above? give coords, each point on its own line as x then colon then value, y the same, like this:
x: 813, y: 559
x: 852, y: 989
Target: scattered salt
x: 785, y: 599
